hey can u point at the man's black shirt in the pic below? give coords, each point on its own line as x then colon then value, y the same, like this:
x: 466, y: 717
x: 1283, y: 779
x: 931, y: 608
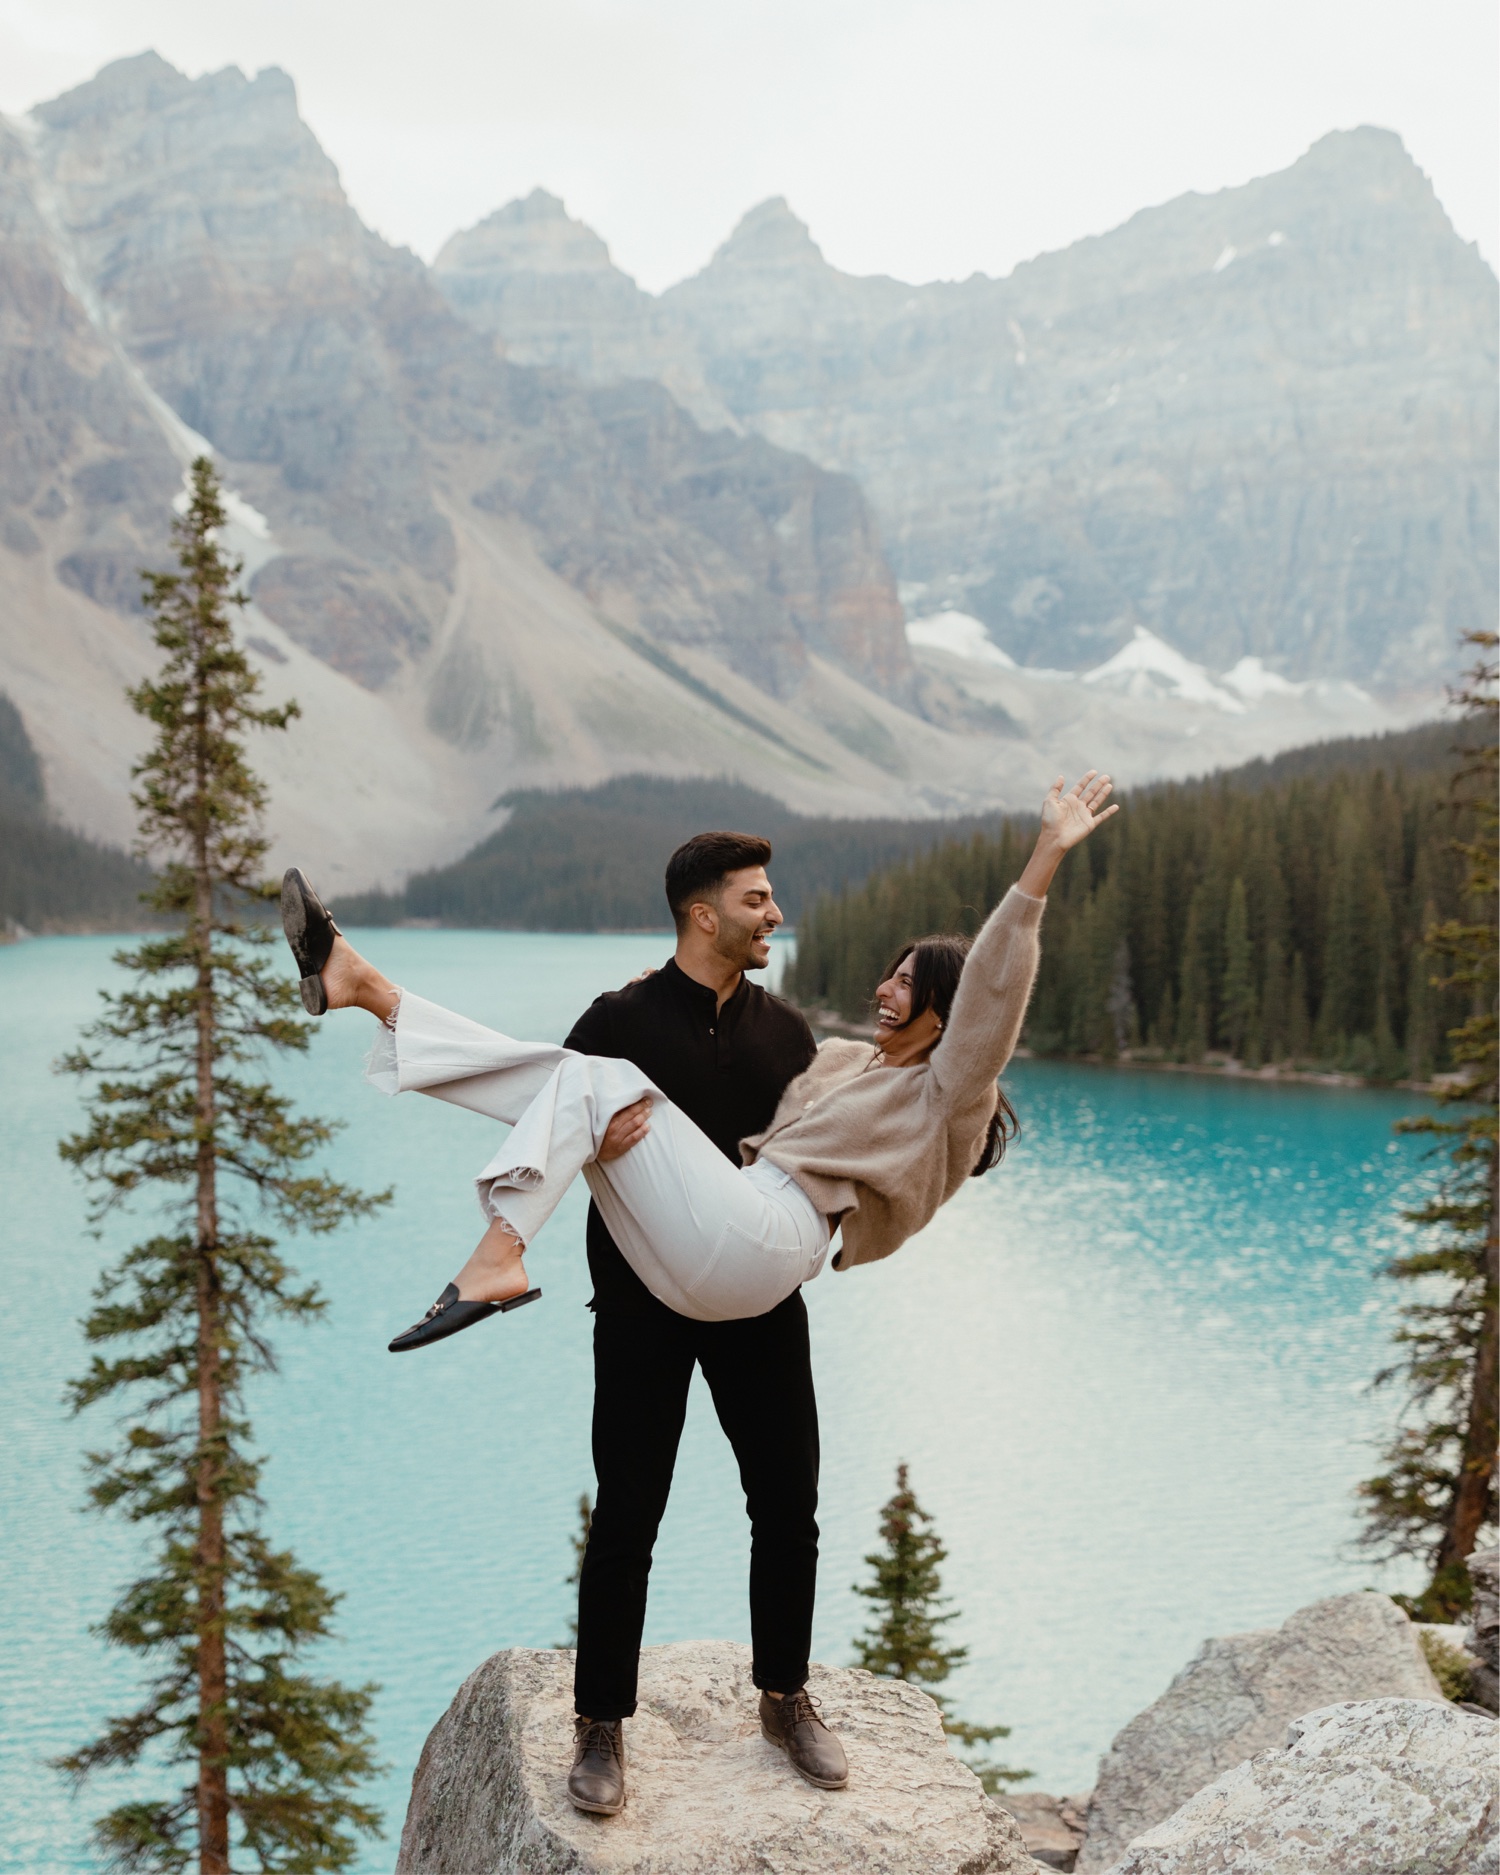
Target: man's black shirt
x: 725, y: 1068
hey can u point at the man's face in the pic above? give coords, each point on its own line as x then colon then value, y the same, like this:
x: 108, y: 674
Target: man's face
x: 745, y: 915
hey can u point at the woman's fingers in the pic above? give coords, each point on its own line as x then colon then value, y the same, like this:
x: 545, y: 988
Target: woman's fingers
x: 1089, y: 792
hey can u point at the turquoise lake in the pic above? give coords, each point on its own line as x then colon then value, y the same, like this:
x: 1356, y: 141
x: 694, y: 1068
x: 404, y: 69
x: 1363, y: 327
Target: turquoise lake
x: 1129, y: 1371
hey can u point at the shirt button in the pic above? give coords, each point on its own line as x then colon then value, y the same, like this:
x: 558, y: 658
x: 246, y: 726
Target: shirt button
x: 711, y: 1031
x: 805, y: 1105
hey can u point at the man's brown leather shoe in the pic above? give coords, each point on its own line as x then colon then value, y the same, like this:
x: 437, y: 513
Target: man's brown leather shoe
x: 596, y: 1782
x: 815, y: 1752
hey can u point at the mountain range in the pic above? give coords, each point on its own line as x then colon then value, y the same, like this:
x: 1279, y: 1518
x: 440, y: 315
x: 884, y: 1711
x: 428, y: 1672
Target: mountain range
x: 1258, y: 423
x: 510, y: 522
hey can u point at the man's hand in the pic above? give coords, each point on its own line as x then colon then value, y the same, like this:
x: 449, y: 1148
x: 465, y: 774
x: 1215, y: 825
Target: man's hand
x: 628, y: 1128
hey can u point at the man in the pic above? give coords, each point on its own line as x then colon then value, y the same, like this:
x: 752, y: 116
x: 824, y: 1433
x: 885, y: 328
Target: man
x: 724, y: 1051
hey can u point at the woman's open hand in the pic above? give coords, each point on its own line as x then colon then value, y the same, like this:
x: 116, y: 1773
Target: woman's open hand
x: 1069, y: 818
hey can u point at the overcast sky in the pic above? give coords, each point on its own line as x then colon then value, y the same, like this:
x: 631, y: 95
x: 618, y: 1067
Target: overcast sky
x: 922, y: 138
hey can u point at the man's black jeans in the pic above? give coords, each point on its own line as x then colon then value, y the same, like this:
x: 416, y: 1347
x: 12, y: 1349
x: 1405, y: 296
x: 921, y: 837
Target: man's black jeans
x: 760, y: 1375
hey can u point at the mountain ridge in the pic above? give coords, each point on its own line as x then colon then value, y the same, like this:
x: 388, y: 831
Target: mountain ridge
x: 1259, y: 422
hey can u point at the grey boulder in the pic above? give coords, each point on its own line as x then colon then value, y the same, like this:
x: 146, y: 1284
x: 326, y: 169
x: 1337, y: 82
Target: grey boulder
x: 707, y: 1794
x: 1483, y: 1637
x: 1051, y: 1827
x: 1373, y: 1787
x: 1236, y: 1697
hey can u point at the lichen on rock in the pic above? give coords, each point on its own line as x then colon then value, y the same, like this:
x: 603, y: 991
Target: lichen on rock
x: 707, y: 1794
x: 1236, y: 1697
x: 1366, y: 1787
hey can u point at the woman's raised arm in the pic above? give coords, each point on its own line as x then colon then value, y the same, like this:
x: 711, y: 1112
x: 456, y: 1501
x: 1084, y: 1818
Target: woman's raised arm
x: 1067, y: 820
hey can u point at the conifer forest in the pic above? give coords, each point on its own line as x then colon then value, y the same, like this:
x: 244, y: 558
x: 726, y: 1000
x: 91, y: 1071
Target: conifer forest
x: 1261, y: 917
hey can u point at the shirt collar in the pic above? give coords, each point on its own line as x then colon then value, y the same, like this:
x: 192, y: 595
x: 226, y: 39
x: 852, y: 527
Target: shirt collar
x: 700, y: 992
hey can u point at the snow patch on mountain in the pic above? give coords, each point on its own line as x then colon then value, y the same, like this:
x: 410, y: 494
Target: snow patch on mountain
x: 1149, y: 667
x: 959, y: 634
x: 1251, y: 680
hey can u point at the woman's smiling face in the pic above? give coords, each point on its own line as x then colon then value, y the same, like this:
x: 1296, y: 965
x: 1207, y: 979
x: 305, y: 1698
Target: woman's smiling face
x: 893, y: 999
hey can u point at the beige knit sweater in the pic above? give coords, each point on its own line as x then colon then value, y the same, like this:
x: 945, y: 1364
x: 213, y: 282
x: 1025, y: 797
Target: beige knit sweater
x: 886, y: 1146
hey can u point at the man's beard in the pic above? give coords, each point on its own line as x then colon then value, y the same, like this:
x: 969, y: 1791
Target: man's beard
x: 739, y: 953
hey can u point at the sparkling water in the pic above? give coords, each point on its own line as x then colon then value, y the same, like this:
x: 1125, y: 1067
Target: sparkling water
x: 1129, y: 1371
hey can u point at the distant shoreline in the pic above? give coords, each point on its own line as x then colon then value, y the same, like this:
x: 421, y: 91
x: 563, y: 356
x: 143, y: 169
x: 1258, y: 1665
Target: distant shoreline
x: 823, y: 1022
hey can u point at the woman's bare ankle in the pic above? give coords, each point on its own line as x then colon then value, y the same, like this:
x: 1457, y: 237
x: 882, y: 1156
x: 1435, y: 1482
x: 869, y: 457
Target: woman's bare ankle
x: 352, y: 982
x: 495, y: 1272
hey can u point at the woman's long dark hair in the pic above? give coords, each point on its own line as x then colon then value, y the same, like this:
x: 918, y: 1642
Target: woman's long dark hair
x: 936, y: 965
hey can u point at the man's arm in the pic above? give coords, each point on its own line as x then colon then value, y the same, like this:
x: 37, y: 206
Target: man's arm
x: 593, y: 1034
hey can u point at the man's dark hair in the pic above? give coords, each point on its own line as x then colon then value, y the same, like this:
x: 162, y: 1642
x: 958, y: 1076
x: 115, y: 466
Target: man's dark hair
x: 700, y: 866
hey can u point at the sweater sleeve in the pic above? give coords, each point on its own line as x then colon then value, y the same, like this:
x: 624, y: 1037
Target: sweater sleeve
x: 990, y: 1003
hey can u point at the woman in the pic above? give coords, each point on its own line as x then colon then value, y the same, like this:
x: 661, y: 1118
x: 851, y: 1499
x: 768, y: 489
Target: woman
x: 870, y: 1140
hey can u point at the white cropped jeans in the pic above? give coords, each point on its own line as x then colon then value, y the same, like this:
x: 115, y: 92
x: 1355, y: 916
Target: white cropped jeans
x: 712, y: 1240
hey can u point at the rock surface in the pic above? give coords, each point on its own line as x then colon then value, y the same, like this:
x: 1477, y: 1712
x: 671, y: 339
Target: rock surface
x: 707, y: 1794
x: 1052, y: 1828
x: 1236, y: 1697
x: 1483, y: 1637
x: 1376, y: 1787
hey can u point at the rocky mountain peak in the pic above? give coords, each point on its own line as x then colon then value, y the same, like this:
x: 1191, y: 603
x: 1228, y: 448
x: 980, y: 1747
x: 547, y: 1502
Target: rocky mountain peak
x: 769, y: 237
x: 533, y: 234
x: 1353, y: 187
x: 1366, y: 157
x: 214, y: 175
x: 124, y: 84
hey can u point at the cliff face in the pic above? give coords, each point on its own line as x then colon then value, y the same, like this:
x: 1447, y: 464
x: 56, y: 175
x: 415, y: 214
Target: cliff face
x: 1259, y: 423
x: 84, y: 471
x: 473, y: 574
x: 545, y: 285
x: 326, y: 370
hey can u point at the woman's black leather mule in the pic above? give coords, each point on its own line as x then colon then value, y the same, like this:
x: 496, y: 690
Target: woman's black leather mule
x: 449, y: 1316
x: 310, y: 932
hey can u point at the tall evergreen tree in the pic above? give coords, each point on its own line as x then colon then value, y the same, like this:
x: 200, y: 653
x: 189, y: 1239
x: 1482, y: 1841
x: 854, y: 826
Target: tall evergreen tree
x: 1239, y: 981
x: 1438, y: 1489
x: 1420, y: 1040
x: 1298, y: 1022
x: 179, y: 1117
x: 1192, y: 1002
x: 903, y: 1642
x: 580, y: 1542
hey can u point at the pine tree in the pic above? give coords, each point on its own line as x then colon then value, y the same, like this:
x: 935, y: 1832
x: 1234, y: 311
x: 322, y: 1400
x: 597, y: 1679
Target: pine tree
x: 177, y: 1118
x: 580, y: 1541
x: 1438, y: 1489
x: 1419, y: 1004
x: 1165, y: 1026
x: 1298, y: 1023
x: 1192, y: 1003
x: 1239, y: 982
x: 903, y: 1643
